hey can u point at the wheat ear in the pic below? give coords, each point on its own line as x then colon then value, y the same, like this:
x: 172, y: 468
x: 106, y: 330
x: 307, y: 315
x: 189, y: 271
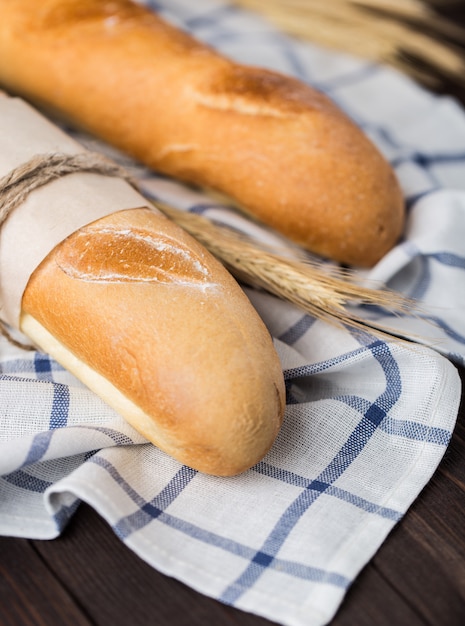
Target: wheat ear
x: 322, y: 291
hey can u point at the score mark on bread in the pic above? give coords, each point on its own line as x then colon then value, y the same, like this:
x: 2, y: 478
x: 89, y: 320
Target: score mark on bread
x: 110, y: 254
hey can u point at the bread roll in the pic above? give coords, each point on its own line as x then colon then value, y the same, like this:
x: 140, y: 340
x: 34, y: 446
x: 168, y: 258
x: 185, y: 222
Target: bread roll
x: 150, y: 321
x: 284, y: 152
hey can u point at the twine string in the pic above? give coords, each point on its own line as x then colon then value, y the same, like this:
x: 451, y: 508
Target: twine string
x: 40, y: 170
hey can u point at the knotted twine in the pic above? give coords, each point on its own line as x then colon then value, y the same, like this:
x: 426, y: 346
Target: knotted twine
x: 40, y: 170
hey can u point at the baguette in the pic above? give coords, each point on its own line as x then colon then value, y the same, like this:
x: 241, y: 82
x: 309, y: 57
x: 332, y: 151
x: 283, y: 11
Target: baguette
x: 280, y: 149
x: 149, y: 320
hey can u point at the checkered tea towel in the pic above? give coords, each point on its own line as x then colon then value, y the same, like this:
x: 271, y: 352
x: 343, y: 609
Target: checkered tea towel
x: 367, y: 420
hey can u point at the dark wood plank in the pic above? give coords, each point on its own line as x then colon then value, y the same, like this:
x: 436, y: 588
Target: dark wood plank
x: 424, y: 568
x: 373, y: 601
x: 30, y: 595
x: 453, y: 467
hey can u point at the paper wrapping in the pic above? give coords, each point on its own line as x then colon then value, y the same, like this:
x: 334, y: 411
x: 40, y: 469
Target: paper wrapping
x: 52, y: 212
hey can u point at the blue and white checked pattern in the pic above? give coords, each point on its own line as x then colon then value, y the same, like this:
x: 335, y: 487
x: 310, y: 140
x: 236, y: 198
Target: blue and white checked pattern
x: 367, y: 422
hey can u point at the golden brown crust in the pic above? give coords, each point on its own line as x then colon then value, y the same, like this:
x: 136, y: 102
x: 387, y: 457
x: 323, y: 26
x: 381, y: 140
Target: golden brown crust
x: 147, y: 308
x: 280, y: 149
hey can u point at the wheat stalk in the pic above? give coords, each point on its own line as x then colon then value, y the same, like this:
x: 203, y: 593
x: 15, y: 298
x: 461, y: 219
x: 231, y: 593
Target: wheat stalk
x: 388, y: 31
x: 322, y: 291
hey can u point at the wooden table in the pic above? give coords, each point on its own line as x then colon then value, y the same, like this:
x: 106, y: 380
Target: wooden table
x: 88, y: 577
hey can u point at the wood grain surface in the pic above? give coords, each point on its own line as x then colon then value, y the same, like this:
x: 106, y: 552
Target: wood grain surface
x: 88, y: 577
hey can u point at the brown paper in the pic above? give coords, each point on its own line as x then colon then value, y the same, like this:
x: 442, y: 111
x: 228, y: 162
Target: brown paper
x: 53, y: 211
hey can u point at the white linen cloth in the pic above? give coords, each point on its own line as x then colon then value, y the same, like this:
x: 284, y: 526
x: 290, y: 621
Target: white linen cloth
x: 367, y: 421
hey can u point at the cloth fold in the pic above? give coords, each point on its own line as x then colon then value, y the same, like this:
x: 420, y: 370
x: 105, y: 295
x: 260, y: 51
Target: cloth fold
x: 367, y: 420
